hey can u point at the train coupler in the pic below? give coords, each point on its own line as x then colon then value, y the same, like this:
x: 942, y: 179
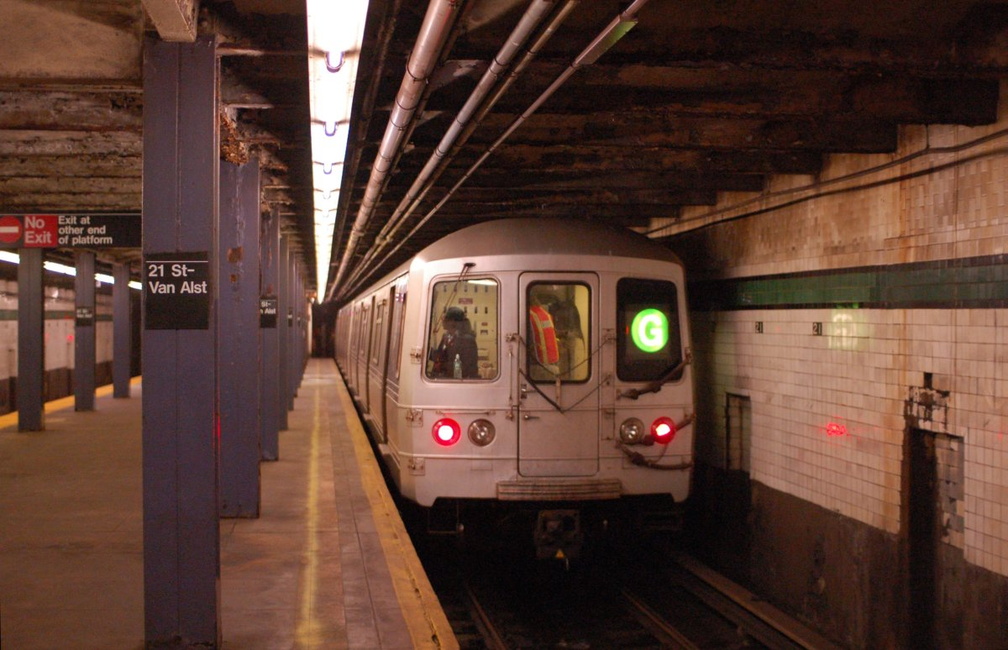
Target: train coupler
x: 558, y: 535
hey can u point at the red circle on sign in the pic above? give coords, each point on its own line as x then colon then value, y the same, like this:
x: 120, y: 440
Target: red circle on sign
x: 10, y: 229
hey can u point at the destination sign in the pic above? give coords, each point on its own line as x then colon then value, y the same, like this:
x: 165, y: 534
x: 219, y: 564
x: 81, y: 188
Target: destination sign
x: 176, y: 289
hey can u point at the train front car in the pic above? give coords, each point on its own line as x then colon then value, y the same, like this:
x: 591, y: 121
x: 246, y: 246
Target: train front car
x: 544, y: 369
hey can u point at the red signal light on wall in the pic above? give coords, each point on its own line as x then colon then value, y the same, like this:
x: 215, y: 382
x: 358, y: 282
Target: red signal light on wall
x: 835, y: 430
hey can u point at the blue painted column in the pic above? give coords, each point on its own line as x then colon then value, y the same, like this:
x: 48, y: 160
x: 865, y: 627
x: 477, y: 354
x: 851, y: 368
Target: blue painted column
x: 238, y: 339
x: 181, y: 543
x: 31, y: 342
x: 122, y: 331
x: 84, y: 331
x: 269, y: 376
x: 283, y: 304
x: 293, y: 326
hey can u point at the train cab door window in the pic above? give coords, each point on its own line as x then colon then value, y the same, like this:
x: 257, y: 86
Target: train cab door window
x: 558, y: 379
x: 462, y: 333
x: 558, y: 314
x: 648, y: 341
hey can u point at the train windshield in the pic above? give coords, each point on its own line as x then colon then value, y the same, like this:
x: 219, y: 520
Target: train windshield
x: 559, y: 314
x: 462, y: 333
x: 647, y: 319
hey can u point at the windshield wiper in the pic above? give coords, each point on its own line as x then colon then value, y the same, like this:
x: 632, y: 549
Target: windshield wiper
x: 656, y: 385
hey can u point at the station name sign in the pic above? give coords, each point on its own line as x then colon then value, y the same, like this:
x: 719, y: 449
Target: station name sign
x: 70, y: 231
x: 176, y: 290
x: 267, y: 311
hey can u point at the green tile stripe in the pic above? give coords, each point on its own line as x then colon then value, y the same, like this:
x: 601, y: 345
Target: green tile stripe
x: 55, y: 314
x: 972, y: 283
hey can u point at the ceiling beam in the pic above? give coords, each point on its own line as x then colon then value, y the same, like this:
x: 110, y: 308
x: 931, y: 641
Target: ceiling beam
x: 175, y: 20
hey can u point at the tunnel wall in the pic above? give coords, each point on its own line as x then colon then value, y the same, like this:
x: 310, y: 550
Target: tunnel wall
x: 850, y: 344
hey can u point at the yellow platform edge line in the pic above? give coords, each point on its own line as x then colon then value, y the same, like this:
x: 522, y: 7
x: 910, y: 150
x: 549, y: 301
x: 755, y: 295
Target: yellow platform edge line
x: 427, y: 623
x: 11, y: 419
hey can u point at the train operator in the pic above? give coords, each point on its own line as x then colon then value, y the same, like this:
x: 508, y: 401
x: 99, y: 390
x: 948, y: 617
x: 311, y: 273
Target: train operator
x: 458, y: 341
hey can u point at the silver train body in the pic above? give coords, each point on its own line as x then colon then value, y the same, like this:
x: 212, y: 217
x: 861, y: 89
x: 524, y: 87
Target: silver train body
x: 581, y: 391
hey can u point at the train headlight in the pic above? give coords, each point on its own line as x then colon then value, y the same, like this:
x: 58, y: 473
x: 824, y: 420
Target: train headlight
x: 482, y: 432
x: 663, y: 430
x: 446, y: 432
x: 631, y: 432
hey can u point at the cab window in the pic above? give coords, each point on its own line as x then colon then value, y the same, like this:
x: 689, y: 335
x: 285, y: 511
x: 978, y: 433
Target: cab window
x: 648, y: 344
x: 558, y: 318
x: 462, y: 343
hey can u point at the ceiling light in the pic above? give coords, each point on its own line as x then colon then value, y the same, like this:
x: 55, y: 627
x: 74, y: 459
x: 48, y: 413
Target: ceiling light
x: 335, y: 33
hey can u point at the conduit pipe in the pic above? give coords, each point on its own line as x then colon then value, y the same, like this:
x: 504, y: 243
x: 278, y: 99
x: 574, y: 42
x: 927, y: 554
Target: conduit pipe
x: 464, y: 126
x: 608, y: 37
x: 434, y: 31
x: 534, y: 16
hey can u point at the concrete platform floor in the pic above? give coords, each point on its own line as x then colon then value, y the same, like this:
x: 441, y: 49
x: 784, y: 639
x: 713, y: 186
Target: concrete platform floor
x: 327, y: 565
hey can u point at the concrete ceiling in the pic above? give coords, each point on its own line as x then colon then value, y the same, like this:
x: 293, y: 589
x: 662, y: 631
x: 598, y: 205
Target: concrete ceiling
x: 700, y: 97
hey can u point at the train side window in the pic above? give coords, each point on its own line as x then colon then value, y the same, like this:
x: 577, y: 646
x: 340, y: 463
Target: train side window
x: 558, y: 318
x: 464, y: 323
x: 648, y: 342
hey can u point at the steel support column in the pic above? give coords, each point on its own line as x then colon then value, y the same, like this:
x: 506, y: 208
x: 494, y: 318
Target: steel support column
x: 122, y: 331
x: 31, y: 342
x: 238, y: 339
x: 84, y: 331
x: 269, y: 375
x: 180, y: 445
x: 294, y: 353
x: 283, y: 327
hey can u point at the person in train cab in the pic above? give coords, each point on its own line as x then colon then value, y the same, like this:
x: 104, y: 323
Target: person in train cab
x: 543, y: 344
x: 458, y: 343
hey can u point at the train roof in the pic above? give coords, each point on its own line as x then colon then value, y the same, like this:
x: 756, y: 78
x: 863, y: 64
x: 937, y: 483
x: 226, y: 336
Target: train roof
x: 545, y: 236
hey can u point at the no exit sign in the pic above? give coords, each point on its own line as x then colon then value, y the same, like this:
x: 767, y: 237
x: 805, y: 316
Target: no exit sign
x: 29, y: 230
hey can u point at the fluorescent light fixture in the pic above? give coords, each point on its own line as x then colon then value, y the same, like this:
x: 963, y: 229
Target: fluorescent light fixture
x: 335, y: 32
x: 63, y: 269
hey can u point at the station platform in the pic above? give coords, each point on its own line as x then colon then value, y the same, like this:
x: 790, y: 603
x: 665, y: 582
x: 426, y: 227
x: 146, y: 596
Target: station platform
x: 328, y: 563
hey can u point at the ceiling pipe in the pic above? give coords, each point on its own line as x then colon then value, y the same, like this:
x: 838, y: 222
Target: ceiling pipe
x: 608, y: 37
x: 434, y: 32
x: 534, y: 16
x: 484, y: 97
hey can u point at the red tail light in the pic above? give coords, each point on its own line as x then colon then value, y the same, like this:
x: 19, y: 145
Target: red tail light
x: 446, y: 432
x: 663, y: 430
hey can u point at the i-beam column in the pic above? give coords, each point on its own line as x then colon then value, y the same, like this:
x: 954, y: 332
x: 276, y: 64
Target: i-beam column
x: 122, y: 331
x: 238, y: 340
x: 181, y: 543
x: 31, y: 342
x: 84, y: 332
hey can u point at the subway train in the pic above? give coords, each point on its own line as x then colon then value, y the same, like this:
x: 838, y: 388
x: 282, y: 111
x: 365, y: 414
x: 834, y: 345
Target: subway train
x: 537, y: 366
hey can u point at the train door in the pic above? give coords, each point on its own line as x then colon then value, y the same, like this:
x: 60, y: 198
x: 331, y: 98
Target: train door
x: 558, y: 381
x: 363, y: 351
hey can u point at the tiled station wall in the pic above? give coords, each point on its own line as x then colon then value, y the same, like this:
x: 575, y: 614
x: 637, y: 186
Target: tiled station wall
x: 59, y: 341
x: 837, y: 314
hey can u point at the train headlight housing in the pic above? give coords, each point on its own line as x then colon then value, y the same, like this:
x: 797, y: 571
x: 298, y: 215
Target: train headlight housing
x: 482, y: 432
x: 446, y: 432
x: 631, y: 432
x: 663, y: 430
